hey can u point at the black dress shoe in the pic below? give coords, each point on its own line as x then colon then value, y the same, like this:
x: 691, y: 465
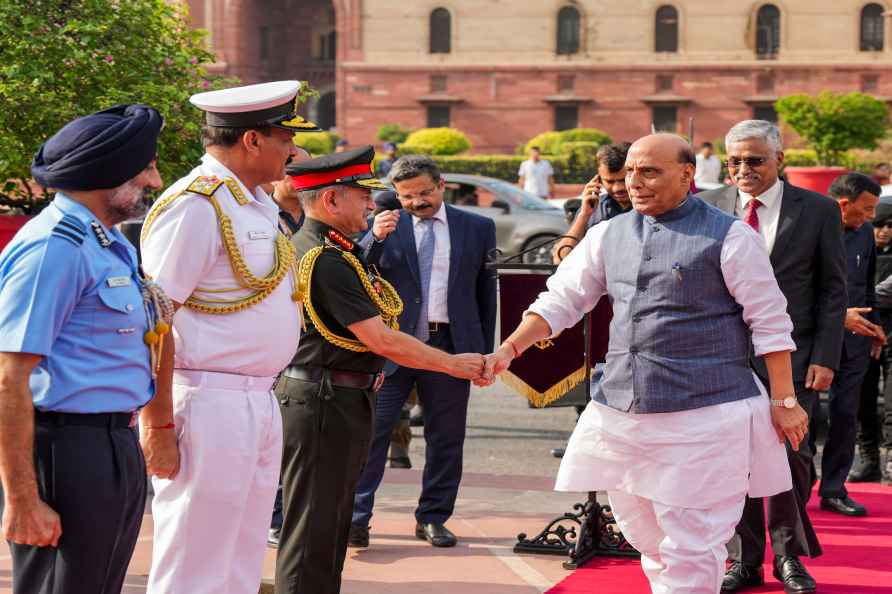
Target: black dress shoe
x: 843, y: 505
x: 436, y: 534
x: 272, y: 539
x: 792, y: 574
x: 358, y: 537
x: 400, y: 462
x: 741, y: 576
x: 867, y: 471
x: 557, y: 452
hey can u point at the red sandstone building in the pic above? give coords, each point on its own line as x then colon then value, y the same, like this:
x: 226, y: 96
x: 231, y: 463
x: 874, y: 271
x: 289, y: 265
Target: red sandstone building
x: 504, y: 70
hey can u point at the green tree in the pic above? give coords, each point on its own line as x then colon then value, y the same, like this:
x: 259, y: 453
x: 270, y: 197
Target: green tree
x: 833, y: 123
x: 60, y: 59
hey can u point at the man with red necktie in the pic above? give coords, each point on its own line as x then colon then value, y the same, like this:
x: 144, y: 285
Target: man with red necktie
x: 803, y: 233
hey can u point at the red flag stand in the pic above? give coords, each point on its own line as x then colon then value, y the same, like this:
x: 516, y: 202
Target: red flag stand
x: 544, y: 375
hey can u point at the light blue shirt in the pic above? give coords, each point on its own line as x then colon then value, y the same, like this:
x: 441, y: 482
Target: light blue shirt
x: 78, y: 303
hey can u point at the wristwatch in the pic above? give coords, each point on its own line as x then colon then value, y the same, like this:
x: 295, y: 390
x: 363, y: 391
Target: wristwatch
x: 788, y: 402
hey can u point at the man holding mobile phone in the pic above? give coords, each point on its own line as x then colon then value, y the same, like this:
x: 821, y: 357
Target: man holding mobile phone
x: 603, y: 197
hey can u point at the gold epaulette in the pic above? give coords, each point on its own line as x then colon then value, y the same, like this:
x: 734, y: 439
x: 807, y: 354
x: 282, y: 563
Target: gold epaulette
x: 205, y: 185
x: 381, y: 293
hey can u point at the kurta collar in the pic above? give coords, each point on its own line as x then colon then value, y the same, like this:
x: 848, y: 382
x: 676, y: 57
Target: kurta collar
x: 679, y: 212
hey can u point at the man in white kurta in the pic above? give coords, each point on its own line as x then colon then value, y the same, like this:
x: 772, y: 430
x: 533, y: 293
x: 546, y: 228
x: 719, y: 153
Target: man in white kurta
x: 680, y: 429
x: 212, y: 241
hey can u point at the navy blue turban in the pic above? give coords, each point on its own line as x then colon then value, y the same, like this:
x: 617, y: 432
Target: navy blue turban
x: 99, y: 151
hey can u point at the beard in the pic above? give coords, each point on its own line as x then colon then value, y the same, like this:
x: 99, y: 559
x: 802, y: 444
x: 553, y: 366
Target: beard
x: 128, y: 201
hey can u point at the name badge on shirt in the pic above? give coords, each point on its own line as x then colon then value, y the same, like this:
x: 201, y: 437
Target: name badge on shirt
x: 118, y: 281
x: 252, y: 235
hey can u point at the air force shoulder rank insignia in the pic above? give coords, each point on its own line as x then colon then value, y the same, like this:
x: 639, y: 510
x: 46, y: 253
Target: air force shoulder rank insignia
x: 205, y: 185
x: 70, y: 229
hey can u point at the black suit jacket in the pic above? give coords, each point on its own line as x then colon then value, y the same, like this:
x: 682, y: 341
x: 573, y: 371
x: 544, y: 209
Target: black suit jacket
x: 809, y: 261
x: 471, y: 299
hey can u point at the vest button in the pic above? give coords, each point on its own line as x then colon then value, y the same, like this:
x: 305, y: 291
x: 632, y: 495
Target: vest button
x: 648, y: 258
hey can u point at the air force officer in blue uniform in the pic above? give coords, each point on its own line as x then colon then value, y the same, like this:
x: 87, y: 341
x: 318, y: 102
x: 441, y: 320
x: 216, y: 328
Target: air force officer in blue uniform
x: 435, y: 258
x: 74, y: 367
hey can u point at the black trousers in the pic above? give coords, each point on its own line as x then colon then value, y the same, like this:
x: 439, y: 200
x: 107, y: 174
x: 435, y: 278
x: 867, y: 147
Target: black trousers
x: 327, y: 432
x: 445, y: 402
x: 94, y: 477
x: 789, y: 526
x: 875, y: 426
x: 839, y: 448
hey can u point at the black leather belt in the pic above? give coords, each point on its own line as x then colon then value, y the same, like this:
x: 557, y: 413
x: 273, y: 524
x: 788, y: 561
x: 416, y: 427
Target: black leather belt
x: 434, y: 327
x: 110, y: 420
x: 338, y: 377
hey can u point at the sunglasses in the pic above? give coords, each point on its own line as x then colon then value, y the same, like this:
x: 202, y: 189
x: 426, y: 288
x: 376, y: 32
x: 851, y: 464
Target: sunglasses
x: 750, y: 161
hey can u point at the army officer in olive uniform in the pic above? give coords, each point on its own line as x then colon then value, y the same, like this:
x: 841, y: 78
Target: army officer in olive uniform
x: 326, y: 394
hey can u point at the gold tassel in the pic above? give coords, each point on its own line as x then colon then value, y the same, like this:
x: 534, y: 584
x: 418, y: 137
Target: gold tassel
x: 541, y: 399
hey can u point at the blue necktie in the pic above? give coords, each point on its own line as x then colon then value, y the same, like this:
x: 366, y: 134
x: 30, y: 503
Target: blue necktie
x: 425, y: 264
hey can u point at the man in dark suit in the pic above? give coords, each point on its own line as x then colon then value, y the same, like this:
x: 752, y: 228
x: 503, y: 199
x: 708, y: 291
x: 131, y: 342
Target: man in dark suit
x: 857, y: 196
x: 803, y: 234
x: 435, y: 258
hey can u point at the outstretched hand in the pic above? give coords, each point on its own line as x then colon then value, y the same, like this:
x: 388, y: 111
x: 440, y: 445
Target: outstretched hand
x: 494, y: 364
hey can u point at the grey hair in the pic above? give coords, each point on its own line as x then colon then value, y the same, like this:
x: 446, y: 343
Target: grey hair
x: 412, y: 166
x: 759, y: 129
x: 308, y: 197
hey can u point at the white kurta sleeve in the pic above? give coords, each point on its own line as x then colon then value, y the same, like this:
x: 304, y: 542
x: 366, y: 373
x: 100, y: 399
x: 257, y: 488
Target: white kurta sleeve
x: 576, y: 286
x: 182, y: 246
x: 750, y: 280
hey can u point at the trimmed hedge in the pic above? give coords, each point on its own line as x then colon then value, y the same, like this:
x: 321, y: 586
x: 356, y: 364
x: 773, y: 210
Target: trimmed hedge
x: 567, y: 170
x: 317, y: 143
x: 551, y: 143
x: 436, y: 141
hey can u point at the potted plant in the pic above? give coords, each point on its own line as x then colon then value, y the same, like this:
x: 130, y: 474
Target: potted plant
x: 831, y: 124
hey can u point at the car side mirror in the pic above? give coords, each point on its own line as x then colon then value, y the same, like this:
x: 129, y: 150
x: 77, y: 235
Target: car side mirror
x: 571, y: 207
x: 504, y: 206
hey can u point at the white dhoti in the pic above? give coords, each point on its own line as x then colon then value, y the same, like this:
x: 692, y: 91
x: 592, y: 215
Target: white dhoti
x: 211, y: 520
x: 677, y: 481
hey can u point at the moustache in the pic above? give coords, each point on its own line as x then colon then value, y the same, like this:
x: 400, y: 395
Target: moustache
x: 421, y: 206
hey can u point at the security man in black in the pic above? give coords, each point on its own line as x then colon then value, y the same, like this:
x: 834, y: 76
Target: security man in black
x: 326, y: 394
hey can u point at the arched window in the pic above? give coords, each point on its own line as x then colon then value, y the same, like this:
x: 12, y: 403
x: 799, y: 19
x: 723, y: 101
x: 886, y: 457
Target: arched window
x: 568, y: 31
x: 872, y: 26
x: 666, y: 29
x: 767, y: 32
x: 441, y: 31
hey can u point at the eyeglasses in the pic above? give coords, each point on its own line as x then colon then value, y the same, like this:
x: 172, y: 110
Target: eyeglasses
x: 750, y: 162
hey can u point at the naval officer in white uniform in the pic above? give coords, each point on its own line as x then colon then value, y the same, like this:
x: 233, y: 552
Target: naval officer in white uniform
x: 212, y: 241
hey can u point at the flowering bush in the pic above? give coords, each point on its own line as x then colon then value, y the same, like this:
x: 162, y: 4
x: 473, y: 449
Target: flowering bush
x: 60, y: 59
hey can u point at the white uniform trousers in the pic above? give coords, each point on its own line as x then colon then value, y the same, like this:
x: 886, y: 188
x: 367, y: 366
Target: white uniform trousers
x: 682, y: 549
x: 211, y: 520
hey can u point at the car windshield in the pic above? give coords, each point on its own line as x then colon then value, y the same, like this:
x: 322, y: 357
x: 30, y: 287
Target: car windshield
x: 519, y: 197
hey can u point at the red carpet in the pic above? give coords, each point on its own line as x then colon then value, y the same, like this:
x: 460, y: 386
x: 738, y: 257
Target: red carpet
x: 857, y: 555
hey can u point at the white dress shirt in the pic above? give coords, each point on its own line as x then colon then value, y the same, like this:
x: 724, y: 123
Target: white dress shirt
x: 437, y: 309
x: 708, y: 171
x: 769, y: 212
x: 692, y: 458
x: 184, y: 252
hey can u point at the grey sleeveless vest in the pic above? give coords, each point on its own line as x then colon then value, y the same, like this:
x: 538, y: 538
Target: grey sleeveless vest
x: 677, y: 340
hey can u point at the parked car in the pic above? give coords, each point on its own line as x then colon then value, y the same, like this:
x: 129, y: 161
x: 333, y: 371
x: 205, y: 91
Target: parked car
x: 522, y: 220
